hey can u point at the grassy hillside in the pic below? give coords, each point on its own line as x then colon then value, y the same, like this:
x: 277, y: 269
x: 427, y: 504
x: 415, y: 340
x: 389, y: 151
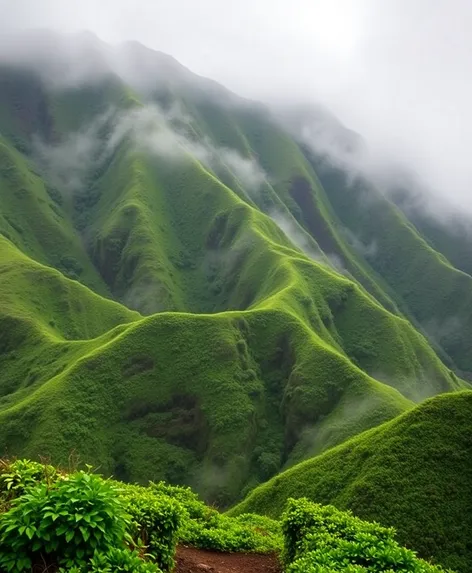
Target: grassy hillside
x: 46, y: 320
x: 33, y: 216
x: 425, y: 285
x: 150, y: 400
x: 157, y: 399
x: 441, y: 224
x: 179, y: 299
x: 412, y: 473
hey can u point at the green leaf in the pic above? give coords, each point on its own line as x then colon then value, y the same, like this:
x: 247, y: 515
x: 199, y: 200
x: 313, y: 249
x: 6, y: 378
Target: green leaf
x: 30, y: 532
x: 85, y: 533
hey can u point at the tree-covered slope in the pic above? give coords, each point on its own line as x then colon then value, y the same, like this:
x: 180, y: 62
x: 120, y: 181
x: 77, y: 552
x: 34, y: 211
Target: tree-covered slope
x: 412, y: 473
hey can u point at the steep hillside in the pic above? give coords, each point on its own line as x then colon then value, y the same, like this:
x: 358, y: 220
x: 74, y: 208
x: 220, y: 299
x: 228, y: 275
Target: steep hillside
x: 45, y: 321
x: 179, y: 298
x: 412, y: 473
x: 445, y: 227
x: 34, y: 218
x: 422, y: 282
x: 157, y: 399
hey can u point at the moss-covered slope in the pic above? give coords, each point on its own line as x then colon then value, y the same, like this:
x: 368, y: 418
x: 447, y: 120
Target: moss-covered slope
x: 203, y: 333
x: 413, y: 473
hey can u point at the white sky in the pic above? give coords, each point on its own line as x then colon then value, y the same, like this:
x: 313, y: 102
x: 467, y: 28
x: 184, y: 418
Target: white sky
x: 397, y: 71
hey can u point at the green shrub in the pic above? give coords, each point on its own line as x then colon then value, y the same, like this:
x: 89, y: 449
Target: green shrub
x: 322, y: 539
x: 222, y: 533
x: 193, y: 505
x: 82, y: 523
x: 66, y: 523
x: 155, y: 522
x: 115, y: 561
x: 16, y: 476
x: 207, y: 528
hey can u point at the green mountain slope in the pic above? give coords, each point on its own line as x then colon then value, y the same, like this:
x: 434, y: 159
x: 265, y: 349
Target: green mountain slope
x: 34, y: 218
x: 158, y: 398
x: 45, y: 320
x: 219, y: 326
x: 441, y: 224
x: 412, y: 473
x: 422, y: 282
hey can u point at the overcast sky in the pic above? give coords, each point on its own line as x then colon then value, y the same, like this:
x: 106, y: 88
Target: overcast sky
x: 397, y: 71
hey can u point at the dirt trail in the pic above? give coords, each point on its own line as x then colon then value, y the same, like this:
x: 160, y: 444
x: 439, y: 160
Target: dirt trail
x: 190, y: 560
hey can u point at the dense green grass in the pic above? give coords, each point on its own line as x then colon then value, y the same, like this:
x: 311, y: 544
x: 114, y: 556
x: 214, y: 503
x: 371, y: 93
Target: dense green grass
x: 412, y: 473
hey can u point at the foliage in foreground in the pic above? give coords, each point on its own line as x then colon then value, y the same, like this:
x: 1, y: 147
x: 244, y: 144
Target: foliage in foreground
x: 81, y: 522
x: 78, y: 521
x: 322, y: 539
x: 206, y: 528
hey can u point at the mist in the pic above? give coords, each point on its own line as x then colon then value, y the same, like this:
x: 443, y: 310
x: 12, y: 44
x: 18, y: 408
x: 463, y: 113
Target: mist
x: 297, y: 235
x: 167, y: 134
x: 396, y: 72
x: 68, y: 164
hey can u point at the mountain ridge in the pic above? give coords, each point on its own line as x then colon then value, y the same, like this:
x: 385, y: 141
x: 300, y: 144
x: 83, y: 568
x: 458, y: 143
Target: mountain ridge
x: 215, y: 266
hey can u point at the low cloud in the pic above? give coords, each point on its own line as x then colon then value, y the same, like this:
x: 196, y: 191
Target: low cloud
x: 246, y: 170
x: 304, y: 242
x: 169, y: 134
x: 364, y: 166
x: 355, y: 412
x: 151, y: 130
x: 68, y: 164
x: 367, y: 250
x: 297, y: 235
x: 396, y: 71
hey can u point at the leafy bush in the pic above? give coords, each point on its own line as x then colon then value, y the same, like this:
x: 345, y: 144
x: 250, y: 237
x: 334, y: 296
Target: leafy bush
x: 154, y: 511
x: 18, y: 475
x: 155, y: 522
x: 115, y: 561
x: 322, y: 539
x: 194, y: 506
x: 66, y: 522
x: 207, y: 528
x: 82, y: 523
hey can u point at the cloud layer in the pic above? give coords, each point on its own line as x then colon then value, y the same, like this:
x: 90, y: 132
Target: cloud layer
x: 396, y: 71
x: 166, y: 134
